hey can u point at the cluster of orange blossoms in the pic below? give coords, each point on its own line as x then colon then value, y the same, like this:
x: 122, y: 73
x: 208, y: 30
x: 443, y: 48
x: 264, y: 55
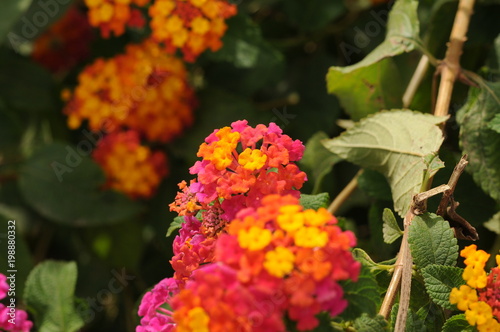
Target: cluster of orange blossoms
x: 143, y: 89
x: 111, y: 16
x: 253, y: 245
x: 480, y: 297
x: 143, y: 92
x: 129, y: 166
x: 192, y: 26
x: 64, y: 44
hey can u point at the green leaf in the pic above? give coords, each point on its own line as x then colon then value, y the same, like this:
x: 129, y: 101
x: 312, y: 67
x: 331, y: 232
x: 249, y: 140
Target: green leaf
x: 394, y: 143
x: 432, y: 316
x: 313, y: 14
x: 315, y: 201
x: 440, y: 280
x: 374, y: 83
x: 366, y: 323
x: 317, y: 160
x: 494, y: 124
x: 478, y: 140
x: 62, y: 184
x: 390, y: 228
x: 20, y: 77
x: 255, y: 62
x: 374, y: 185
x: 458, y: 323
x: 49, y: 295
x: 432, y: 241
x: 175, y: 225
x: 413, y: 322
x: 10, y: 13
x: 363, y: 296
x: 494, y: 223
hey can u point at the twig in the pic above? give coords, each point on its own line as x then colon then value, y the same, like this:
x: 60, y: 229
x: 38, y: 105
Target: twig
x: 415, y: 81
x: 452, y: 183
x: 406, y: 272
x: 344, y: 194
x: 451, y: 63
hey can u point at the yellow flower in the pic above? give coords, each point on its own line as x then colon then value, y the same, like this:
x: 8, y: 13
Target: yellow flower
x: 479, y: 313
x: 279, y: 262
x: 255, y: 238
x: 310, y: 237
x: 252, y: 159
x: 463, y: 296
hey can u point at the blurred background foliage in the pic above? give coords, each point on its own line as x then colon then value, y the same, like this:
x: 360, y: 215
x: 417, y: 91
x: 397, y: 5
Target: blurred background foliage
x: 271, y: 68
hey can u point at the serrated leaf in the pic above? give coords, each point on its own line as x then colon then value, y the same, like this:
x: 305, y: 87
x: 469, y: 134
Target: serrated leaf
x: 49, y: 294
x: 369, y: 86
x: 432, y: 316
x: 413, y: 322
x: 394, y: 143
x: 314, y: 201
x: 363, y: 296
x: 366, y: 323
x: 374, y: 185
x: 175, y: 225
x: 65, y: 186
x: 432, y: 241
x: 494, y: 223
x: 478, y: 140
x: 317, y: 160
x: 457, y: 323
x: 440, y: 280
x: 390, y: 228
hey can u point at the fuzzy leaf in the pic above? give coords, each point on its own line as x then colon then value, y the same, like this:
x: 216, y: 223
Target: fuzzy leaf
x: 10, y: 13
x: 363, y: 296
x: 439, y: 281
x: 457, y: 323
x: 390, y: 228
x: 49, y: 293
x: 432, y: 241
x: 494, y: 124
x: 494, y: 223
x: 394, y: 143
x: 371, y: 84
x: 314, y: 201
x: 370, y: 324
x: 478, y: 140
x: 175, y: 225
x: 432, y: 316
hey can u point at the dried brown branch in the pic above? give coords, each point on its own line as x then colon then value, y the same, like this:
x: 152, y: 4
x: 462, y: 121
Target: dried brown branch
x: 451, y: 63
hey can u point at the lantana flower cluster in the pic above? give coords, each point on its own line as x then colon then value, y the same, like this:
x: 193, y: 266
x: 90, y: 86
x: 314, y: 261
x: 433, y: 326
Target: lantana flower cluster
x: 130, y: 167
x: 267, y: 260
x: 143, y: 89
x: 112, y: 16
x: 480, y: 297
x: 140, y: 95
x: 66, y: 43
x: 192, y: 26
x: 21, y: 321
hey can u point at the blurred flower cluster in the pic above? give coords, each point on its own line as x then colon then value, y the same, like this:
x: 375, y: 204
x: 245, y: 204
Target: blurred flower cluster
x: 255, y: 256
x: 141, y: 96
x: 480, y: 297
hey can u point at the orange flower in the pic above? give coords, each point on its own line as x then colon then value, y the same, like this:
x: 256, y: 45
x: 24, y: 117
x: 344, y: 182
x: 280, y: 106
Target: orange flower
x: 111, y: 16
x: 143, y: 89
x: 129, y: 166
x: 190, y: 25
